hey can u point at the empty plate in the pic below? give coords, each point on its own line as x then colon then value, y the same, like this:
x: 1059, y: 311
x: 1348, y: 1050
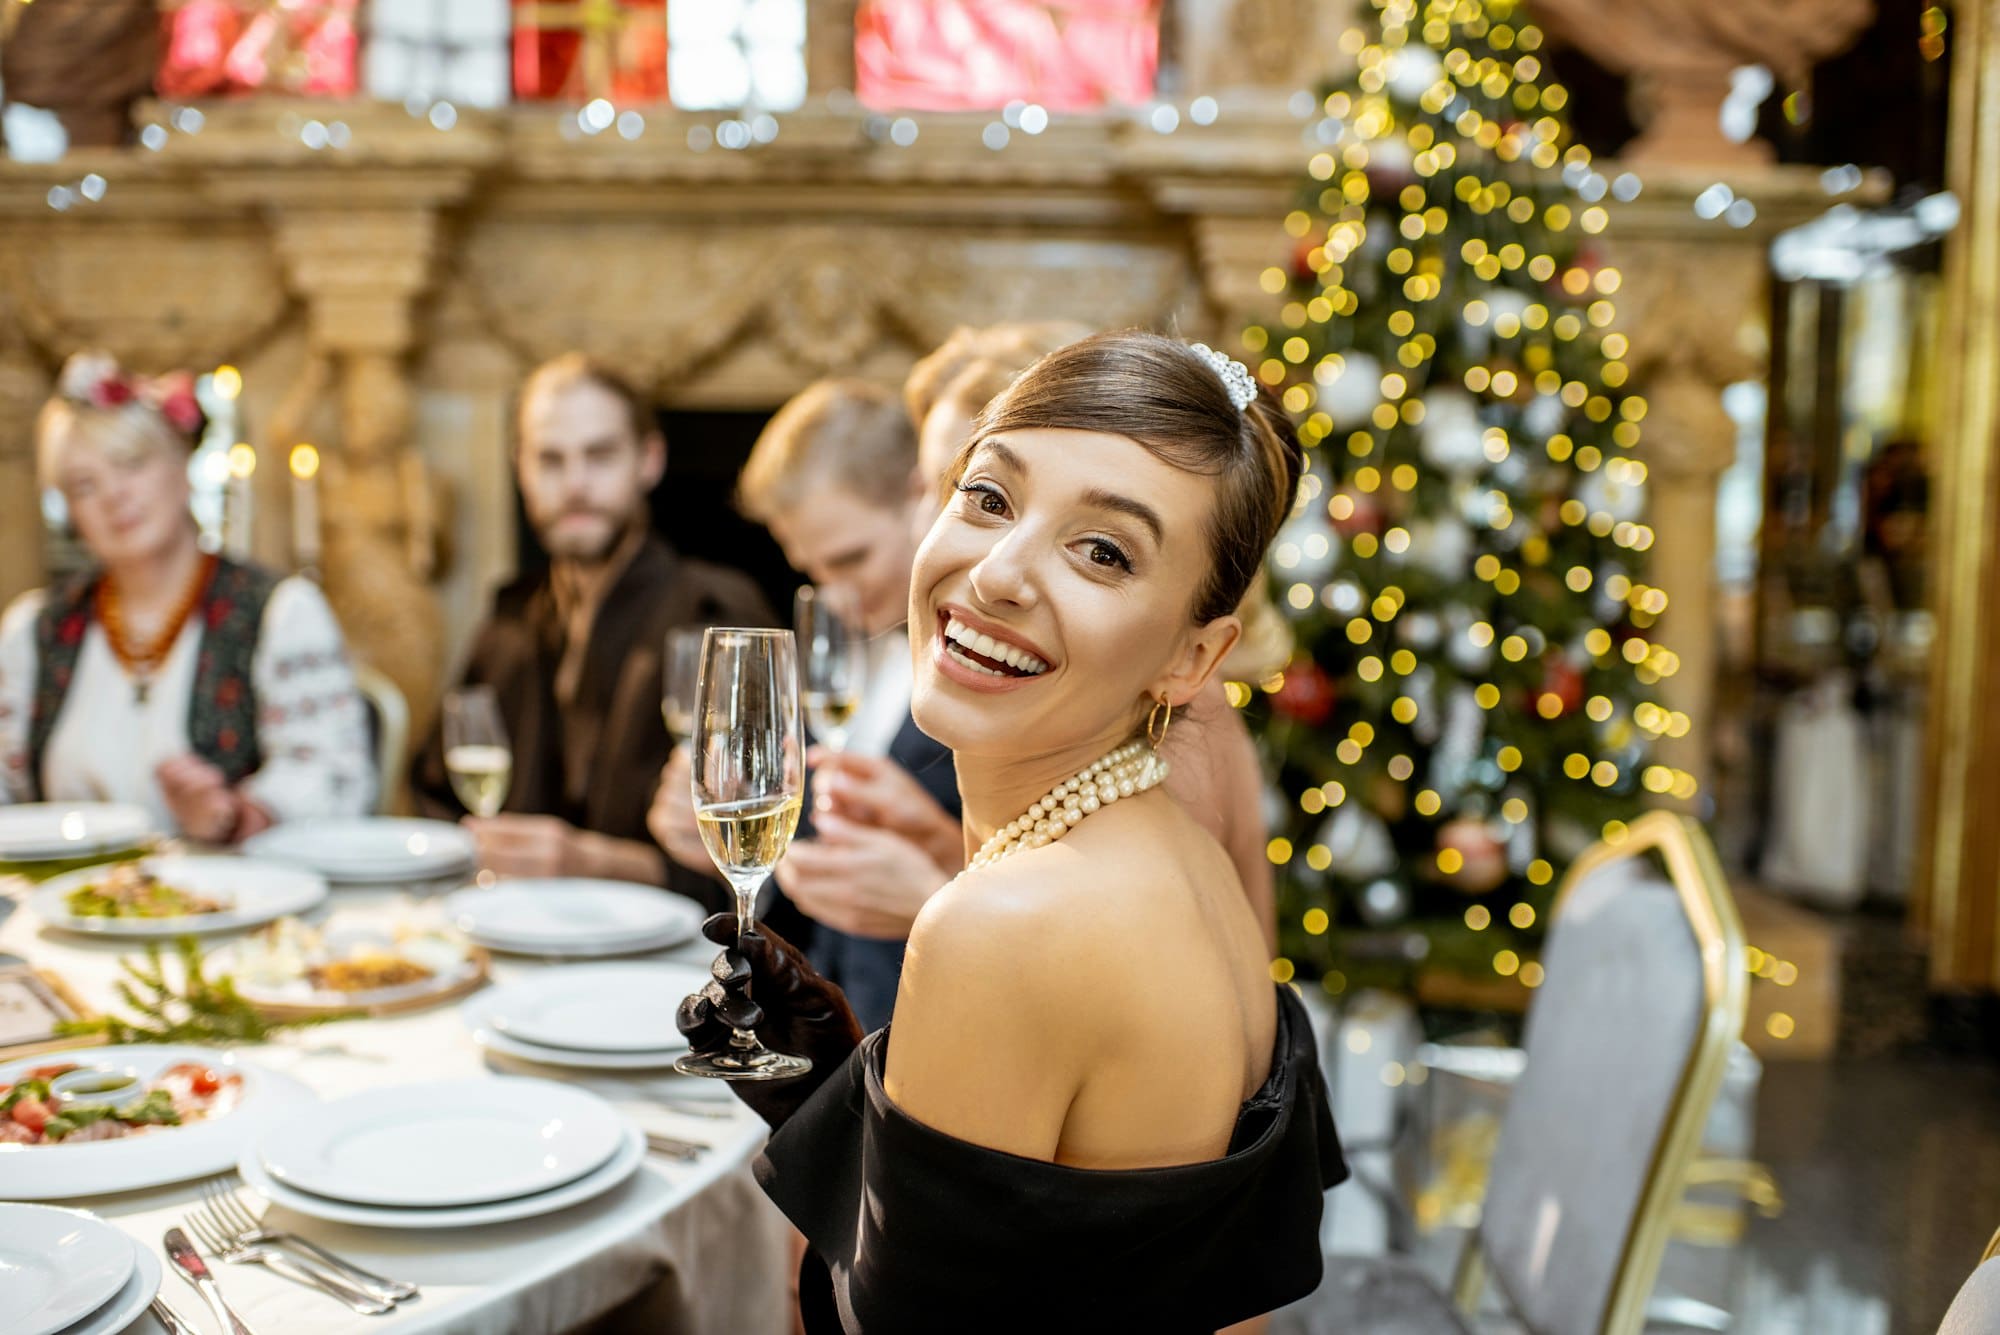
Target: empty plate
x: 46, y: 831
x: 58, y: 1266
x: 565, y: 916
x: 248, y: 892
x: 452, y: 1143
x: 620, y: 1166
x: 597, y: 1007
x: 367, y: 849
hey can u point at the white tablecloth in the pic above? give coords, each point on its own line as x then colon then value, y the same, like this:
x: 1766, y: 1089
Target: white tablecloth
x: 696, y: 1244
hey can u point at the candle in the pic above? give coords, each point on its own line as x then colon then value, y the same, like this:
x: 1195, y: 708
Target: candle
x: 236, y: 501
x: 305, y: 506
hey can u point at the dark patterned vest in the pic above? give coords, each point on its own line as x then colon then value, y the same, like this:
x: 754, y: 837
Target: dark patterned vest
x: 222, y: 715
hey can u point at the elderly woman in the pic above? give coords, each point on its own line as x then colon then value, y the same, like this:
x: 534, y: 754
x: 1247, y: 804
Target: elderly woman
x: 212, y: 693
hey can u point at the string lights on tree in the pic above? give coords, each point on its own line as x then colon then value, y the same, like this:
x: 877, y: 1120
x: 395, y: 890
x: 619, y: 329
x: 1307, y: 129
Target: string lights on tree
x: 1472, y: 702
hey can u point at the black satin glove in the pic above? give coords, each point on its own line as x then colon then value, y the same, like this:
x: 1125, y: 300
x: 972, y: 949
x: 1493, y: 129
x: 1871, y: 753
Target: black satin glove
x: 795, y: 1010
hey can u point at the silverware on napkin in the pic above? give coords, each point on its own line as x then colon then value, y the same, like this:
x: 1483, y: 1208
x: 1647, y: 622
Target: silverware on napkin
x: 169, y: 1318
x: 188, y: 1261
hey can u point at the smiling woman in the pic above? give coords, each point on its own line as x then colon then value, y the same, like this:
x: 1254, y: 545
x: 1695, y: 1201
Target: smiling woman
x: 1097, y: 1111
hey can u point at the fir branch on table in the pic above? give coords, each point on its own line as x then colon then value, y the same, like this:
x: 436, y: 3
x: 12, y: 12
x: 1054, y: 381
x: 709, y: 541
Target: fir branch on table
x: 204, y: 1010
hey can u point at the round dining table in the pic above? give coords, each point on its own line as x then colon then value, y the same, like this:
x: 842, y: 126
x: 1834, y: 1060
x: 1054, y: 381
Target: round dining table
x: 681, y: 1246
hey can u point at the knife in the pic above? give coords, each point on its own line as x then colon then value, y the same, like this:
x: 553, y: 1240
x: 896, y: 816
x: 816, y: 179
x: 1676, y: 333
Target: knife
x: 188, y: 1261
x: 166, y: 1317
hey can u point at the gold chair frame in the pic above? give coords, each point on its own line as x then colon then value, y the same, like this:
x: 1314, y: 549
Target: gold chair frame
x: 1697, y: 877
x: 392, y: 741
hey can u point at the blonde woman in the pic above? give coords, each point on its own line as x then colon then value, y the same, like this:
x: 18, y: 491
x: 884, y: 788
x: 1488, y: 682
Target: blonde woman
x: 214, y: 694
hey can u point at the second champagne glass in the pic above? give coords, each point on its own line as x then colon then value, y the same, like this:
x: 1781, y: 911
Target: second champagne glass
x: 834, y: 656
x: 476, y: 754
x: 748, y: 763
x: 683, y: 670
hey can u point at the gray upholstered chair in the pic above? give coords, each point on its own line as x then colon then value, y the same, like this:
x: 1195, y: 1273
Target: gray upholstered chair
x: 1626, y: 1045
x: 1976, y: 1310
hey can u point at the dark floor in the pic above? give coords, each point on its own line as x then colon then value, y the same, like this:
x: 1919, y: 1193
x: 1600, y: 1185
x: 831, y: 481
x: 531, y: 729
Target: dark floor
x: 1891, y: 1173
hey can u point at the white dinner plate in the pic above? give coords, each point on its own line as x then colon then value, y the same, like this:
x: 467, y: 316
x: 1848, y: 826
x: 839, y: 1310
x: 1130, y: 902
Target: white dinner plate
x: 369, y: 849
x: 168, y: 1154
x: 573, y: 916
x: 131, y: 1301
x: 575, y: 1059
x: 47, y: 831
x: 451, y: 1143
x: 597, y: 1007
x: 625, y: 1162
x: 255, y: 892
x: 59, y: 1267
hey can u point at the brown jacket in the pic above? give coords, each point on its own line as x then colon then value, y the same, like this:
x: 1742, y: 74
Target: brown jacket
x: 617, y: 697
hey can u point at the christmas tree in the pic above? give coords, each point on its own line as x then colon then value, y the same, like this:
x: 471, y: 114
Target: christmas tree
x: 1471, y: 704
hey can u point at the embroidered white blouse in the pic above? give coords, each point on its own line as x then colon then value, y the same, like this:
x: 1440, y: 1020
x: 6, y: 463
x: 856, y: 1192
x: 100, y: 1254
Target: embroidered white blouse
x: 312, y: 729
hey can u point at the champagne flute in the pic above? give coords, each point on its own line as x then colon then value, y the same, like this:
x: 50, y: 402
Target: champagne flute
x: 683, y: 669
x: 834, y: 654
x: 476, y: 754
x: 748, y: 756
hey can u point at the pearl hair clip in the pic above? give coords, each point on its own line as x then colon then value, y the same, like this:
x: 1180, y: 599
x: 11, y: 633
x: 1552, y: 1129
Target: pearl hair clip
x: 1236, y: 377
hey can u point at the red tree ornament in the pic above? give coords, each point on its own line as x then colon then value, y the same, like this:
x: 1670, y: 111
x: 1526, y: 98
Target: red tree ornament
x: 1307, y: 694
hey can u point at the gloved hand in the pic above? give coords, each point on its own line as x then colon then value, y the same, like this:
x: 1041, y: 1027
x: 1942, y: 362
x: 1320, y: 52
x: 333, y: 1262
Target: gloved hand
x: 794, y: 1010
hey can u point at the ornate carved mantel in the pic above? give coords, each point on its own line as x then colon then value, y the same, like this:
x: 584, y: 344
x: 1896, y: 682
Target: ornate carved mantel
x: 382, y: 299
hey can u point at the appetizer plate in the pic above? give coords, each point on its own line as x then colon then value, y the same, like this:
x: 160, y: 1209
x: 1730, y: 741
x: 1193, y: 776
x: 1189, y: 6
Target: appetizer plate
x: 367, y: 850
x: 623, y: 1164
x: 59, y: 1267
x: 621, y: 1008
x: 451, y: 1143
x: 253, y: 892
x: 165, y: 1154
x: 573, y: 917
x: 299, y: 998
x: 48, y: 831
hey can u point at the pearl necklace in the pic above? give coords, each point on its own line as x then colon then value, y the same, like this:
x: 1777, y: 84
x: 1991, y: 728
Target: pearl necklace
x: 1125, y: 772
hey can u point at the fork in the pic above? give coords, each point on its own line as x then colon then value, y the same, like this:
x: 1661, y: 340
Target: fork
x: 234, y: 1220
x: 225, y: 1249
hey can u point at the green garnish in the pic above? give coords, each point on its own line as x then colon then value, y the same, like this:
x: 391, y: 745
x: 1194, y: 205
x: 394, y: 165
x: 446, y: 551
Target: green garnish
x: 204, y: 1010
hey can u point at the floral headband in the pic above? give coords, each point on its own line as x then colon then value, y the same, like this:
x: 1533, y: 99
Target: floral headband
x: 95, y: 379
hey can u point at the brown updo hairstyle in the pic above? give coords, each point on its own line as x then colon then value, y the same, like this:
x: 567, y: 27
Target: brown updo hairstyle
x: 1158, y: 392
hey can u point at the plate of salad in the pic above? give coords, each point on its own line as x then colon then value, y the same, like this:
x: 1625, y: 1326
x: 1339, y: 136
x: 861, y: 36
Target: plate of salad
x: 118, y: 1118
x: 176, y: 896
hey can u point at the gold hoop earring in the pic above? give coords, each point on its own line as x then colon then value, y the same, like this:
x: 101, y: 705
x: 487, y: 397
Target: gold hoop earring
x: 1165, y: 723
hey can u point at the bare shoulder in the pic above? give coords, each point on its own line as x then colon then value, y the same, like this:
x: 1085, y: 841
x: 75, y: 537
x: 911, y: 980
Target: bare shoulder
x: 998, y: 1014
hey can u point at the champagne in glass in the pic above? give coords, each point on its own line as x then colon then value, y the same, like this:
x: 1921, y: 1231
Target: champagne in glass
x: 834, y: 650
x: 476, y: 754
x: 683, y: 668
x: 748, y: 764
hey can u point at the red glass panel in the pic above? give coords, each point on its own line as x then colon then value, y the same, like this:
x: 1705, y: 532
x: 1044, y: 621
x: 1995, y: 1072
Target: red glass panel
x: 962, y: 55
x: 216, y: 48
x: 574, y: 50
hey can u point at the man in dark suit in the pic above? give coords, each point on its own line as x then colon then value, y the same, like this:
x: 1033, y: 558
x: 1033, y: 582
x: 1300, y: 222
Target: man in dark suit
x: 834, y: 477
x: 574, y: 654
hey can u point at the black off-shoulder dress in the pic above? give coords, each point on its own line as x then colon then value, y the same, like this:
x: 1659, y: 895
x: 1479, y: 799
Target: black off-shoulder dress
x: 912, y: 1230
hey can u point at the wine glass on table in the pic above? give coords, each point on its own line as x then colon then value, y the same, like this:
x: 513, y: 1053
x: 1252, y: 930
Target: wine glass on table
x: 683, y: 670
x: 748, y: 762
x: 833, y: 652
x: 476, y: 754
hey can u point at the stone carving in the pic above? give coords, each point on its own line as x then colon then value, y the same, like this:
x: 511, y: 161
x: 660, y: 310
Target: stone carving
x: 1681, y: 53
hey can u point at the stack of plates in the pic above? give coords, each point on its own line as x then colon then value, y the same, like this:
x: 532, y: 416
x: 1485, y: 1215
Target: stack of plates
x: 67, y: 1271
x: 369, y: 850
x: 595, y: 1017
x: 446, y: 1155
x: 573, y: 919
x: 55, y: 831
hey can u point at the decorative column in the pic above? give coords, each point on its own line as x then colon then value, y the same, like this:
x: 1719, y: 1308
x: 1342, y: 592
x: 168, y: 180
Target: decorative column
x: 358, y: 247
x: 1959, y: 900
x: 23, y: 388
x: 362, y: 271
